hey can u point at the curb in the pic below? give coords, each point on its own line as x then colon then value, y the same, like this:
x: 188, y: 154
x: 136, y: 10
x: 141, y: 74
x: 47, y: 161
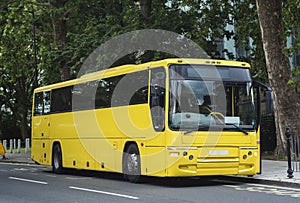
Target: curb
x: 17, y: 162
x: 19, y: 159
x: 262, y: 181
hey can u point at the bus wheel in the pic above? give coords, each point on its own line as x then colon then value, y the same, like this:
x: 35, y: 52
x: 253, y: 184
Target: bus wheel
x: 132, y: 164
x: 57, y: 159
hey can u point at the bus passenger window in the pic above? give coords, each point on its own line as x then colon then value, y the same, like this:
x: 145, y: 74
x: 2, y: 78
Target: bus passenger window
x: 38, y: 104
x: 46, y: 102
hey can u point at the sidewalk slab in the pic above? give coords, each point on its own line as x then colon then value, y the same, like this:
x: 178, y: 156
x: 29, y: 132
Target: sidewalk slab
x: 277, y: 171
x: 273, y: 173
x: 17, y: 158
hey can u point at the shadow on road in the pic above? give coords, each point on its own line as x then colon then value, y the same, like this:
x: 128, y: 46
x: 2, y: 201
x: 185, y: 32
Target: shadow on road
x: 202, y: 181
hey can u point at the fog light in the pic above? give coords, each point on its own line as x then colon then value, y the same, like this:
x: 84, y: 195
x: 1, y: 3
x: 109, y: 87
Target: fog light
x: 245, y: 157
x: 249, y: 153
x: 184, y: 153
x: 191, y: 157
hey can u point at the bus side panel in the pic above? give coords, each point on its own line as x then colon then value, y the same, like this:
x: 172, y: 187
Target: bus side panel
x: 74, y: 154
x: 41, y: 150
x: 259, y: 160
x: 155, y: 160
x: 119, y: 125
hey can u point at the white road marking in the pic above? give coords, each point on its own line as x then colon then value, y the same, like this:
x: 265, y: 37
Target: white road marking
x: 253, y: 184
x: 268, y: 189
x: 104, y: 192
x: 275, y: 187
x: 28, y: 180
x: 257, y: 185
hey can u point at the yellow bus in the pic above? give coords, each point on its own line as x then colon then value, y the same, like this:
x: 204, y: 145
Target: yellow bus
x: 167, y: 118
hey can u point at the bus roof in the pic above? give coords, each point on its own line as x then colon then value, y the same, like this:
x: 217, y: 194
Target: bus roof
x: 120, y: 70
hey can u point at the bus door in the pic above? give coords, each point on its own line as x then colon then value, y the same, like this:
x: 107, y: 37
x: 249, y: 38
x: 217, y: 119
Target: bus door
x: 41, y: 125
x: 46, y: 119
x: 156, y: 145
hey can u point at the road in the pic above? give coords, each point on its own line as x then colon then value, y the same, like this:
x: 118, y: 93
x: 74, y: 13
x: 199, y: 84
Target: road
x: 32, y: 183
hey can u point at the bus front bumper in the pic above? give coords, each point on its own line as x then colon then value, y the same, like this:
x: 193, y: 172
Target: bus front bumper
x: 205, y: 161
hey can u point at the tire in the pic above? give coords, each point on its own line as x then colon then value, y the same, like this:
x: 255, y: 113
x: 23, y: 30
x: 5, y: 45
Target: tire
x: 57, y: 159
x: 132, y: 164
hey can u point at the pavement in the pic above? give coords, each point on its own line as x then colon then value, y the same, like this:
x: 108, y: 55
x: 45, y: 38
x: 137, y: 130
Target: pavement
x: 273, y: 172
x: 24, y: 158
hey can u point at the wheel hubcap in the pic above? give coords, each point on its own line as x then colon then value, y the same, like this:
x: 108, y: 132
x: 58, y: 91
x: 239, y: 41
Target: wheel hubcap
x: 132, y: 163
x: 56, y: 164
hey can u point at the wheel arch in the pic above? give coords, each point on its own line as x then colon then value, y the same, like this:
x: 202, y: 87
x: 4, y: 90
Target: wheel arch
x: 56, y: 142
x: 128, y: 143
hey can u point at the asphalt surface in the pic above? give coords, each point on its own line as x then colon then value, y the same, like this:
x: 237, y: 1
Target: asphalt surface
x: 23, y: 182
x: 273, y: 172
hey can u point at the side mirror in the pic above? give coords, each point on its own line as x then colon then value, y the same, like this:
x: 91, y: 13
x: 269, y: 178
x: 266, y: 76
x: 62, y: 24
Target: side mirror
x: 269, y: 102
x: 269, y: 98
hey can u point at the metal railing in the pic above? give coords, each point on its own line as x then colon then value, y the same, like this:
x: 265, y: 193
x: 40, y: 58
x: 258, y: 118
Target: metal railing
x: 293, y: 153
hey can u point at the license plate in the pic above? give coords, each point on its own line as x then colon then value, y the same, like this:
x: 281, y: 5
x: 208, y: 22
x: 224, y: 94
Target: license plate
x: 218, y: 152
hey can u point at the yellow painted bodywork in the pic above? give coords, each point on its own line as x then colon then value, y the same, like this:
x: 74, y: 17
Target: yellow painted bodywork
x: 95, y: 139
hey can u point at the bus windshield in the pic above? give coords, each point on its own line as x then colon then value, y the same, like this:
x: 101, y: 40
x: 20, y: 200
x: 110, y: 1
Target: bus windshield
x: 202, y: 97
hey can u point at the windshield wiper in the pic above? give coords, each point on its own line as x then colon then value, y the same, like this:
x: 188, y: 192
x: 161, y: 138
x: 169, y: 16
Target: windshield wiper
x: 189, y: 131
x: 237, y: 127
x: 194, y: 130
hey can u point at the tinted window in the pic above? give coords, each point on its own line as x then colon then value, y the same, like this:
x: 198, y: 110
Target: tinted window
x: 122, y: 90
x: 38, y: 104
x: 105, y: 91
x: 47, y: 103
x: 62, y: 99
x: 138, y: 87
x: 205, y: 72
x: 83, y: 96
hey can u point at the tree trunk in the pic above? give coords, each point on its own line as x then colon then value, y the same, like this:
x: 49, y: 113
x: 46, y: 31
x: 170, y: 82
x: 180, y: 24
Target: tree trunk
x: 24, y: 126
x: 145, y: 6
x: 286, y: 103
x: 60, y: 34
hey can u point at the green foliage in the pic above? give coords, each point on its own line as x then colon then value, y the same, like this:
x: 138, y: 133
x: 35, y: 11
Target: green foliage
x: 90, y: 23
x: 291, y: 18
x: 295, y: 81
x: 16, y: 69
x: 292, y: 26
x: 248, y: 37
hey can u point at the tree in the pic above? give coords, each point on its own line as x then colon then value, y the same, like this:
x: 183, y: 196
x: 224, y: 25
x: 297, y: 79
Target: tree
x: 286, y: 103
x: 59, y: 15
x: 292, y: 30
x: 17, y: 67
x: 248, y: 37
